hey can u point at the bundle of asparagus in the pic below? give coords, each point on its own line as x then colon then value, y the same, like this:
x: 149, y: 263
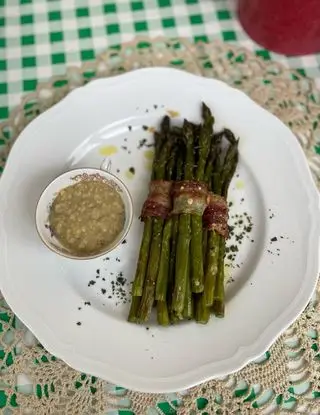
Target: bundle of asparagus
x: 181, y: 260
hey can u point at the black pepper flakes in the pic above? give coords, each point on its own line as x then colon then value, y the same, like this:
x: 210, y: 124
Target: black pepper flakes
x: 87, y: 303
x: 118, y: 289
x: 92, y: 282
x: 132, y: 170
x: 274, y: 239
x: 142, y: 142
x: 239, y: 230
x: 79, y: 323
x: 129, y: 127
x: 103, y: 290
x: 145, y: 127
x: 124, y: 241
x: 234, y: 248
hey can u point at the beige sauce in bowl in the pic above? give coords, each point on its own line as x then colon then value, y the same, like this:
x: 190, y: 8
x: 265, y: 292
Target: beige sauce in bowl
x: 87, y: 216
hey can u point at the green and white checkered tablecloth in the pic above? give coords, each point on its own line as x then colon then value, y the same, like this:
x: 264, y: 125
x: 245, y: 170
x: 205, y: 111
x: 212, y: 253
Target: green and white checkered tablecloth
x: 41, y: 38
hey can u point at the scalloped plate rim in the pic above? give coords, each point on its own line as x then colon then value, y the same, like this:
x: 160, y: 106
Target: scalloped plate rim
x: 244, y: 355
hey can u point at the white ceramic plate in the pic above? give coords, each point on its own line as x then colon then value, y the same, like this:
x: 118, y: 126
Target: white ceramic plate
x: 271, y: 280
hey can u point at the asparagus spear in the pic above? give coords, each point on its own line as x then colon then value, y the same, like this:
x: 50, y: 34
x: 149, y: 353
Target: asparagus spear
x: 231, y: 161
x: 148, y: 295
x: 188, y: 301
x: 134, y: 309
x: 163, y: 272
x: 163, y: 313
x: 202, y: 313
x: 137, y: 287
x: 173, y: 247
x: 218, y: 303
x: 184, y: 231
x: 164, y: 267
x: 196, y: 221
x: 213, y: 173
x: 214, y: 151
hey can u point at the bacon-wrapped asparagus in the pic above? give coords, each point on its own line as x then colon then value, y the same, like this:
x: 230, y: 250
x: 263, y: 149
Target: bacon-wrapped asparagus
x: 185, y: 217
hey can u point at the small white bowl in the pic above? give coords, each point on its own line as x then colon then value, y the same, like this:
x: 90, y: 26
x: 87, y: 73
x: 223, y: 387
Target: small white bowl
x: 67, y: 179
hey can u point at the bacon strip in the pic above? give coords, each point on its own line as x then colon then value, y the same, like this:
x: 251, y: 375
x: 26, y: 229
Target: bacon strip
x: 158, y: 203
x: 215, y: 216
x: 189, y: 196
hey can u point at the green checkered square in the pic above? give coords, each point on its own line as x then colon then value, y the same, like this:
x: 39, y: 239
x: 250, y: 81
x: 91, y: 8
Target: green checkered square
x: 29, y: 62
x: 110, y: 8
x: 141, y: 26
x: 164, y: 3
x: 26, y: 19
x: 196, y: 19
x: 54, y: 15
x: 223, y: 15
x: 169, y: 22
x: 29, y: 85
x: 27, y: 40
x: 3, y: 42
x: 57, y: 58
x: 87, y: 55
x: 25, y: 1
x: 4, y: 113
x: 56, y: 37
x: 3, y: 88
x: 2, y: 21
x: 112, y: 28
x: 85, y: 33
x: 229, y: 35
x: 82, y: 12
x: 3, y: 65
x: 191, y: 1
x: 136, y: 5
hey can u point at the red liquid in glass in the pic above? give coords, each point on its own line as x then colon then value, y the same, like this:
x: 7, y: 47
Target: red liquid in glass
x: 291, y: 27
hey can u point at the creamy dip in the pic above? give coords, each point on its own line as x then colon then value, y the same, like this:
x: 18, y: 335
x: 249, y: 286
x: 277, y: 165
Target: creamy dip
x: 87, y: 216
